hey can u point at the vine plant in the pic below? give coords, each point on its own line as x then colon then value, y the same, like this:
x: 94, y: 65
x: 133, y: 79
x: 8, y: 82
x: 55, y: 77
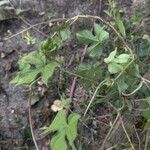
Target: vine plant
x: 116, y: 72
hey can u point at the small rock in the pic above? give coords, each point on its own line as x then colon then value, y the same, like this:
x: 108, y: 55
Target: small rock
x: 42, y: 13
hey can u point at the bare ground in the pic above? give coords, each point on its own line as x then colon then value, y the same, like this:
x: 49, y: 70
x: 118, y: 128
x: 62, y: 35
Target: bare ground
x: 14, y: 127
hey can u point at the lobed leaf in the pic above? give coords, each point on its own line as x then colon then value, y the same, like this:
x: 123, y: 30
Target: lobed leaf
x: 65, y: 34
x: 33, y: 58
x: 95, y: 50
x: 25, y: 77
x: 86, y: 37
x: 111, y: 56
x: 101, y: 34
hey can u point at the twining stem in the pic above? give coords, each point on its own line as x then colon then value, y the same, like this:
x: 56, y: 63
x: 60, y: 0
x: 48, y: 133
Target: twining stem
x: 74, y: 19
x: 118, y: 110
x: 93, y: 97
x: 138, y: 88
x: 127, y: 134
x: 110, y: 131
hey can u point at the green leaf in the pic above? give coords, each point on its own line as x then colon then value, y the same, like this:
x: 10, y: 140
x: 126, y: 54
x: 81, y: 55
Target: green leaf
x: 95, y: 42
x: 101, y: 34
x: 98, y: 29
x: 84, y: 66
x: 95, y: 50
x: 90, y: 73
x: 146, y: 37
x: 31, y: 65
x: 148, y: 100
x: 133, y: 70
x: 25, y: 77
x: 57, y: 42
x: 116, y: 63
x: 111, y: 56
x: 120, y: 25
x: 122, y: 85
x: 86, y: 37
x: 123, y: 58
x: 48, y: 71
x: 59, y: 122
x: 108, y: 13
x: 33, y: 58
x: 146, y: 113
x: 135, y: 19
x: 65, y: 34
x: 72, y: 128
x: 51, y: 44
x: 144, y: 48
x: 147, y: 125
x: 58, y: 141
x: 26, y: 131
x: 114, y: 68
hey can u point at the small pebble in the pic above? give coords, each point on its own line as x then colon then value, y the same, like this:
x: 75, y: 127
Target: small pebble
x: 2, y: 55
x: 42, y: 13
x: 12, y: 111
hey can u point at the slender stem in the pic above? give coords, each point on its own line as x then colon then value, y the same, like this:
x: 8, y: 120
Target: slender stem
x: 110, y: 131
x: 93, y: 97
x: 32, y: 26
x: 30, y: 122
x: 138, y: 137
x: 111, y: 148
x: 123, y: 71
x: 146, y: 140
x: 127, y: 134
x: 138, y: 88
x: 27, y: 23
x: 146, y: 85
x: 146, y: 80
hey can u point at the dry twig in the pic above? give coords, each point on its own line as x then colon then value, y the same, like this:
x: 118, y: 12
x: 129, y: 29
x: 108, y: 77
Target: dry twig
x: 30, y: 121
